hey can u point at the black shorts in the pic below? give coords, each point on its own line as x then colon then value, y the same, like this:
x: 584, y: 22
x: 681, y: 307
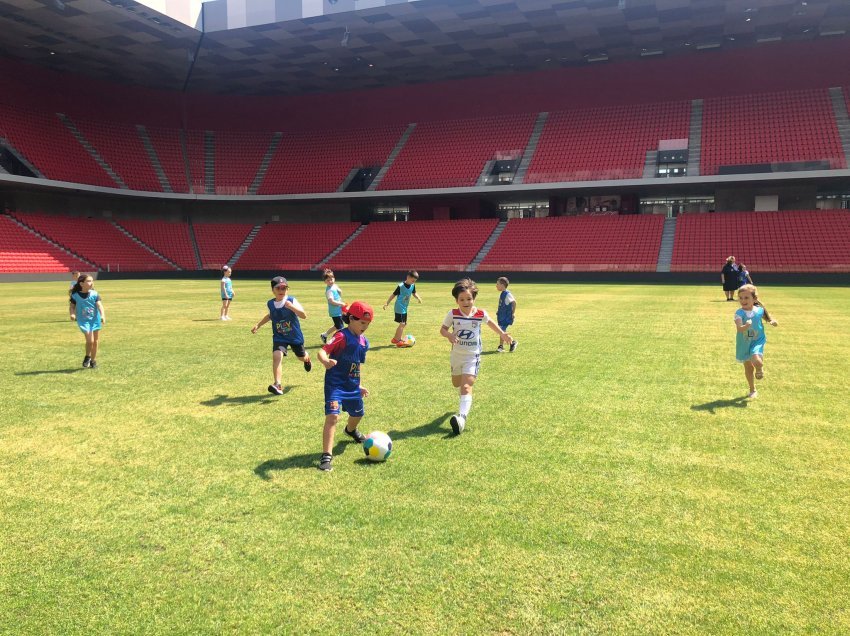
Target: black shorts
x: 401, y: 317
x: 297, y: 349
x: 339, y: 324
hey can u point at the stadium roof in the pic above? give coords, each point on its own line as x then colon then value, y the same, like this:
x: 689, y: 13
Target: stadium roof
x: 390, y: 45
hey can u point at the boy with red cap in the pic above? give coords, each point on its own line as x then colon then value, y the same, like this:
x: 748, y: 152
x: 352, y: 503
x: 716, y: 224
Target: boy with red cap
x: 342, y: 357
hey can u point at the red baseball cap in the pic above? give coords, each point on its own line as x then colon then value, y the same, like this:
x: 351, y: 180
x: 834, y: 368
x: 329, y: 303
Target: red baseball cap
x: 359, y: 311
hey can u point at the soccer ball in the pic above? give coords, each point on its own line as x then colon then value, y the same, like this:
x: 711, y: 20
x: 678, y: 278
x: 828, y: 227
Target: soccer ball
x: 409, y: 341
x: 378, y: 446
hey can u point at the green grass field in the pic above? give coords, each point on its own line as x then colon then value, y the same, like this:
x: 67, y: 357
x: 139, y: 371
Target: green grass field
x: 612, y: 479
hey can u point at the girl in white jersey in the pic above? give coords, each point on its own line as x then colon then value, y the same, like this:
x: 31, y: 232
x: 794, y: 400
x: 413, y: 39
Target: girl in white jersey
x: 465, y: 335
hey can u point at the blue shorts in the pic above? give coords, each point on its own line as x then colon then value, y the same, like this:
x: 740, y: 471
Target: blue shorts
x: 89, y: 327
x: 749, y: 349
x: 504, y: 327
x: 352, y: 406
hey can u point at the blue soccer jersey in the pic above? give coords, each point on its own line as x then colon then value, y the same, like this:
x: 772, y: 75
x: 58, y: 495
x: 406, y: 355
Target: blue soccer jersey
x: 750, y: 342
x: 505, y: 313
x: 286, y: 329
x: 403, y: 298
x: 333, y: 292
x: 88, y: 317
x: 342, y: 382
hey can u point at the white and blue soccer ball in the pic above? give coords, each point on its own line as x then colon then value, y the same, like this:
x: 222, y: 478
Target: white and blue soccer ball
x: 378, y: 446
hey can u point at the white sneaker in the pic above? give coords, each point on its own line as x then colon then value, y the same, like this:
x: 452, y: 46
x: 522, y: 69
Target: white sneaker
x: 223, y: 318
x: 458, y: 423
x: 228, y: 318
x: 753, y: 394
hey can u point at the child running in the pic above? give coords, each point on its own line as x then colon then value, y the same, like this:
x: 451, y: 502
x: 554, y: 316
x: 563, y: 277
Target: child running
x: 465, y: 335
x: 506, y: 311
x: 226, y: 292
x: 749, y: 346
x: 333, y: 294
x: 284, y: 313
x: 86, y: 308
x: 402, y: 295
x: 342, y: 357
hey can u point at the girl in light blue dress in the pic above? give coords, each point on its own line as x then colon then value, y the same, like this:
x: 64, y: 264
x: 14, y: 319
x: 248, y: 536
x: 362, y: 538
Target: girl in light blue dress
x: 750, y: 340
x: 226, y: 292
x: 86, y: 309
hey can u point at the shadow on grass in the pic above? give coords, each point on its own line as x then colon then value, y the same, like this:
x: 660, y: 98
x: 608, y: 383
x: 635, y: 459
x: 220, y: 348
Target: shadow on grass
x: 241, y: 400
x: 208, y: 320
x: 308, y: 460
x: 52, y: 371
x: 433, y: 427
x: 389, y: 346
x: 738, y: 403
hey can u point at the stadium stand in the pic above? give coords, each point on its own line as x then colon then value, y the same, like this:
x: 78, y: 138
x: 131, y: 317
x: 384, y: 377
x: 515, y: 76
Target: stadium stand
x: 50, y: 147
x: 319, y: 161
x: 770, y: 128
x: 427, y: 245
x: 168, y: 238
x: 195, y: 151
x: 166, y: 144
x: 218, y: 242
x: 793, y: 241
x: 22, y: 251
x: 579, y: 243
x: 237, y: 159
x: 96, y: 240
x: 294, y: 247
x: 604, y: 143
x: 120, y: 146
x: 444, y: 154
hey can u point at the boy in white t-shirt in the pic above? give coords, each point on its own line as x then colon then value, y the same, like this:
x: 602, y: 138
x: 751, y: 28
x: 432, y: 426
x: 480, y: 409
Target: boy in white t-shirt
x: 465, y: 335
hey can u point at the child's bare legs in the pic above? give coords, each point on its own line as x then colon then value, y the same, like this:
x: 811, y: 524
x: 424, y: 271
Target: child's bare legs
x: 330, y: 333
x: 399, y: 331
x: 277, y: 363
x: 758, y: 363
x: 89, y: 342
x: 330, y: 429
x: 225, y: 308
x: 749, y: 372
x: 95, y: 336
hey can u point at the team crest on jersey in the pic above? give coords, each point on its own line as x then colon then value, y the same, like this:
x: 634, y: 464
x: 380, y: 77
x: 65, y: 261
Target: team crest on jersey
x: 89, y: 312
x: 354, y: 371
x: 283, y: 326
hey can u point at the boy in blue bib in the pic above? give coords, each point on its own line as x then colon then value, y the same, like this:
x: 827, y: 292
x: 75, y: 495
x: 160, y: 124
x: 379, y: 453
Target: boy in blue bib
x: 403, y: 292
x: 285, y: 313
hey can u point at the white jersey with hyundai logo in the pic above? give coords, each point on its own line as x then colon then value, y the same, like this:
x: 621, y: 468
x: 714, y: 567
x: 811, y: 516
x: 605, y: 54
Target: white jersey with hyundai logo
x: 467, y: 330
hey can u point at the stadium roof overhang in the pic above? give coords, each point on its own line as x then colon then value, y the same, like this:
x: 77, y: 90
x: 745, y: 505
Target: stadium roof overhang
x: 392, y: 43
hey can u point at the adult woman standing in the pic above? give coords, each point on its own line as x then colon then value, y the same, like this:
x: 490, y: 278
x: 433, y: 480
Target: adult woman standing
x: 729, y: 278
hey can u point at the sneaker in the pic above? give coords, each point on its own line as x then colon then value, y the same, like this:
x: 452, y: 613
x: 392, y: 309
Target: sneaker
x: 514, y: 344
x: 760, y: 374
x: 324, y: 338
x: 325, y: 462
x: 500, y: 349
x: 93, y: 365
x: 753, y: 394
x: 356, y: 435
x: 458, y: 423
x: 86, y: 362
x: 308, y: 364
x: 228, y: 318
x: 394, y: 341
x: 222, y: 318
x: 276, y: 389
x: 401, y: 344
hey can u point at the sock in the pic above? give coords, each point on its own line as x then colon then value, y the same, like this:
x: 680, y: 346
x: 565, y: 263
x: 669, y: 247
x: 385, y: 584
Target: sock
x: 465, y: 404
